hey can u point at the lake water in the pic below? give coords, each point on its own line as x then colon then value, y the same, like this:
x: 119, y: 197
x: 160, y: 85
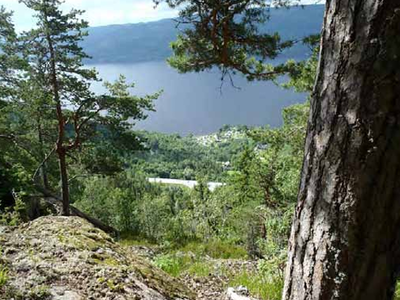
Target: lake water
x: 194, y: 103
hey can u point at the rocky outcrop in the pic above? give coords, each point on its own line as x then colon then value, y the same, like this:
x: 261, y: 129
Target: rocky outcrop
x: 67, y: 258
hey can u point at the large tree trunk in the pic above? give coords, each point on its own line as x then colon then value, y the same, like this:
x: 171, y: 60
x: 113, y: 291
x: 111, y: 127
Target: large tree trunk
x: 345, y: 239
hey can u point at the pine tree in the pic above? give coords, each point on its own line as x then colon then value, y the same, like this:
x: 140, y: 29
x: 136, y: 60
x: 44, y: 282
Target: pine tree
x: 345, y: 240
x: 56, y: 67
x: 224, y: 34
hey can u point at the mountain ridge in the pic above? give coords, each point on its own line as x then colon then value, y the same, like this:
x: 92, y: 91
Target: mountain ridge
x: 149, y: 41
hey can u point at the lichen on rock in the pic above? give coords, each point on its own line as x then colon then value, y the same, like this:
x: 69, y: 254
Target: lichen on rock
x: 67, y: 258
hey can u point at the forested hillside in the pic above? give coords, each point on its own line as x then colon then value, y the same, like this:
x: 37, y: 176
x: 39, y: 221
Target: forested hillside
x: 131, y: 43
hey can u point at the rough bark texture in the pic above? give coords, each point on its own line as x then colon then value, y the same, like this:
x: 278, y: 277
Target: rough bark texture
x: 43, y: 169
x: 60, y: 149
x: 64, y: 182
x: 345, y: 240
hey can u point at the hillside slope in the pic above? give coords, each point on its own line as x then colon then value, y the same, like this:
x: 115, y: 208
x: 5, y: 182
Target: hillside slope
x: 132, y: 43
x: 67, y: 258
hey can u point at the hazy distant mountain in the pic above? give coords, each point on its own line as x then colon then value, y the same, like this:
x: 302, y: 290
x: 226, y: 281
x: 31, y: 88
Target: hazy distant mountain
x: 131, y: 43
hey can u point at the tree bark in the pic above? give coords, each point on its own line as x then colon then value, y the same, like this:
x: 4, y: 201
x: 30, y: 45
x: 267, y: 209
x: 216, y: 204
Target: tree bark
x: 43, y: 168
x: 60, y: 149
x: 64, y: 182
x: 345, y: 239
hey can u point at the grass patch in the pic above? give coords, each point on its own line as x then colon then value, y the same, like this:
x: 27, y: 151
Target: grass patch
x: 266, y: 283
x: 200, y: 269
x: 177, y: 264
x: 3, y: 276
x: 190, y: 258
x: 127, y: 239
x: 259, y: 285
x: 171, y: 264
x: 216, y: 249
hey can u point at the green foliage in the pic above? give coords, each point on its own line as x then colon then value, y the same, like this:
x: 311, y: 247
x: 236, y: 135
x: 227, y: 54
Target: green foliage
x: 252, y: 211
x: 170, y: 264
x: 47, y: 106
x: 266, y: 283
x: 215, y: 249
x: 16, y: 214
x: 200, y: 269
x: 176, y: 265
x: 173, y: 156
x: 302, y: 74
x: 259, y: 285
x: 226, y: 35
x: 3, y: 276
x: 397, y: 292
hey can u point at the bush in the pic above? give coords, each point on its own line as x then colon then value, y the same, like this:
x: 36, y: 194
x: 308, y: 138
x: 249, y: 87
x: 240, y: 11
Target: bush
x: 171, y: 264
x: 13, y: 216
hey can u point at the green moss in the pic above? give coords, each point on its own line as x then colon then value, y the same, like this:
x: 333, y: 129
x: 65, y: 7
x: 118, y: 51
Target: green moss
x: 101, y: 280
x: 40, y: 292
x: 111, y: 262
x: 114, y: 287
x: 77, y: 234
x: 91, y: 241
x: 61, y: 238
x: 104, y: 259
x: 159, y: 281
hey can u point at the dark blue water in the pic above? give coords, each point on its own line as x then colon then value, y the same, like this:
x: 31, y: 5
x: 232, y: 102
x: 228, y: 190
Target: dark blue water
x: 194, y: 103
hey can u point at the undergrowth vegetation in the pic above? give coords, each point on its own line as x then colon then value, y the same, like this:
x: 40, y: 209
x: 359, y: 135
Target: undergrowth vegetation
x: 265, y: 282
x: 3, y: 276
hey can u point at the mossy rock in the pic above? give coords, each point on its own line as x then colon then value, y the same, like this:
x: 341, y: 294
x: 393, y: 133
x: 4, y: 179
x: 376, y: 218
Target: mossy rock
x: 68, y: 256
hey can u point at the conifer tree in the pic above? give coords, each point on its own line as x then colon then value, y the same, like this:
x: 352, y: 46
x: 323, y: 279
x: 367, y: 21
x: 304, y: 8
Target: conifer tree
x: 226, y: 35
x: 56, y: 66
x: 345, y: 241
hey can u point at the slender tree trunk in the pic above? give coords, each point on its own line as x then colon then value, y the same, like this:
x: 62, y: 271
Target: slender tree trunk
x: 60, y: 149
x: 345, y: 239
x: 43, y: 169
x: 64, y: 182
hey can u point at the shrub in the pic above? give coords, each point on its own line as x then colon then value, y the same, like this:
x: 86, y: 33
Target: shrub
x: 15, y: 215
x: 171, y: 264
